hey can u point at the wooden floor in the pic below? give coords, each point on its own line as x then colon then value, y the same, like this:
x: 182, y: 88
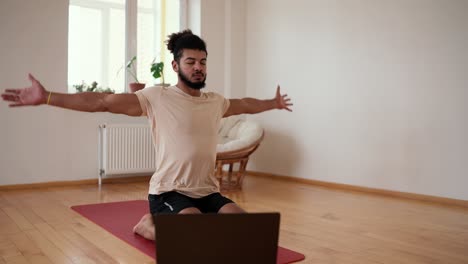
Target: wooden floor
x: 328, y: 226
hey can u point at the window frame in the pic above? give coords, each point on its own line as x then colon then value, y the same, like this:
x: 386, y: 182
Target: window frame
x: 131, y: 18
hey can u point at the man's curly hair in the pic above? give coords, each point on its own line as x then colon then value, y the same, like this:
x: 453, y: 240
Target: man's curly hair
x: 179, y: 41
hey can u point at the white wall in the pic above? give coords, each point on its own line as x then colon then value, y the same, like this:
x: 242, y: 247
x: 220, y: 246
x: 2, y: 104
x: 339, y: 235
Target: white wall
x: 221, y: 23
x: 40, y: 144
x: 235, y: 45
x: 380, y: 91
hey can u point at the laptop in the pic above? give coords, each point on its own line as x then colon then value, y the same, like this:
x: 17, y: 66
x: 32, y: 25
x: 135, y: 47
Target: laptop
x: 217, y: 238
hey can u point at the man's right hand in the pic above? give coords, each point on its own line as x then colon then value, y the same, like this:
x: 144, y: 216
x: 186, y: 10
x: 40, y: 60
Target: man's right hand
x: 32, y: 95
x: 126, y: 104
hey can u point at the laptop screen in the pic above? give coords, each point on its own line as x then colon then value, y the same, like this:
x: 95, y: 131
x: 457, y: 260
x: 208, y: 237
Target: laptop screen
x: 217, y: 238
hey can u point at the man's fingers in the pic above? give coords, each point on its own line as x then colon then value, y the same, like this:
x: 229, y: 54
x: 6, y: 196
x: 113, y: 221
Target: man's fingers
x: 31, y: 78
x: 9, y: 97
x: 15, y: 91
x: 285, y: 101
x: 287, y: 105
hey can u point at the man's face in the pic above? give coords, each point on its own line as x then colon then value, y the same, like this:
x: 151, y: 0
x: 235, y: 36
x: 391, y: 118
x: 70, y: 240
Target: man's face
x: 192, y: 68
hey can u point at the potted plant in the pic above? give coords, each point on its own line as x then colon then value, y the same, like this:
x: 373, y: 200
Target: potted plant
x: 83, y: 87
x: 134, y: 86
x: 157, y: 69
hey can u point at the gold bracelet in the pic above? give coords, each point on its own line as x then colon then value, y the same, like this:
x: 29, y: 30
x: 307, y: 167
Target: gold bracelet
x: 48, y: 99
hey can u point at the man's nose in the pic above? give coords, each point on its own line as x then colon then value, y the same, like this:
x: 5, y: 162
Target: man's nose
x: 197, y: 66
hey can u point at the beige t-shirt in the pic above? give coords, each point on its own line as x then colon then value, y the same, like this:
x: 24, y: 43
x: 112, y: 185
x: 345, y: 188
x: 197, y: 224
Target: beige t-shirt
x: 184, y: 130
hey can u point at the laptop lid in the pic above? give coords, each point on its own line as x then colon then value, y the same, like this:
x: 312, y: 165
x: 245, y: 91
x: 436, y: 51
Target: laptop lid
x: 217, y: 238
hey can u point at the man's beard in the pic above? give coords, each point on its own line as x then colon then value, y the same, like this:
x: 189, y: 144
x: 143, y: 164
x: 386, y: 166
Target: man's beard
x: 194, y: 85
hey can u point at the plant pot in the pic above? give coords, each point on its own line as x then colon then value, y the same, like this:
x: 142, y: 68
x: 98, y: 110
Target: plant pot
x: 136, y: 87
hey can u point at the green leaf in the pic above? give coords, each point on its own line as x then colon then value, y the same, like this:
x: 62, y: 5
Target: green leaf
x: 130, y: 62
x: 157, y: 69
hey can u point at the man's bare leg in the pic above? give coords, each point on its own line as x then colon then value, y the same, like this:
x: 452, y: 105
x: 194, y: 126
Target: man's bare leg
x: 190, y: 210
x: 231, y: 208
x: 145, y: 227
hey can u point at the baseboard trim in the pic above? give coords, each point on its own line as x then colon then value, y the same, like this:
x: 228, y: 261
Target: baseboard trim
x: 73, y: 183
x: 348, y: 187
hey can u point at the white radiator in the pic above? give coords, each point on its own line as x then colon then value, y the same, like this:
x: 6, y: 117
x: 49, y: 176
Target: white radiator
x: 125, y: 149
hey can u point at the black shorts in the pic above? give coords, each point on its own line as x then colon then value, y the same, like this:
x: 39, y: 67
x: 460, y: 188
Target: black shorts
x: 174, y: 202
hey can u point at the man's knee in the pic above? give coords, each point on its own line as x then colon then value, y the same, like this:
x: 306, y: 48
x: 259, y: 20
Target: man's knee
x: 190, y: 210
x: 231, y: 208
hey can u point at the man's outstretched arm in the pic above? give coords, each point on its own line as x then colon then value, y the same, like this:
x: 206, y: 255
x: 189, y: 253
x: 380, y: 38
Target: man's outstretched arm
x: 36, y: 94
x: 253, y: 106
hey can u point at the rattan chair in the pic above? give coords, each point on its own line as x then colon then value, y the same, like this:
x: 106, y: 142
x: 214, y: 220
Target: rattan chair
x: 237, y: 140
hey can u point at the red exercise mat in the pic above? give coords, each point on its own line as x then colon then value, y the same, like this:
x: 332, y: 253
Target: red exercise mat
x: 119, y: 218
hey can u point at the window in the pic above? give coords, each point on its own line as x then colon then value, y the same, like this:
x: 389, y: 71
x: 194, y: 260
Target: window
x: 99, y: 44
